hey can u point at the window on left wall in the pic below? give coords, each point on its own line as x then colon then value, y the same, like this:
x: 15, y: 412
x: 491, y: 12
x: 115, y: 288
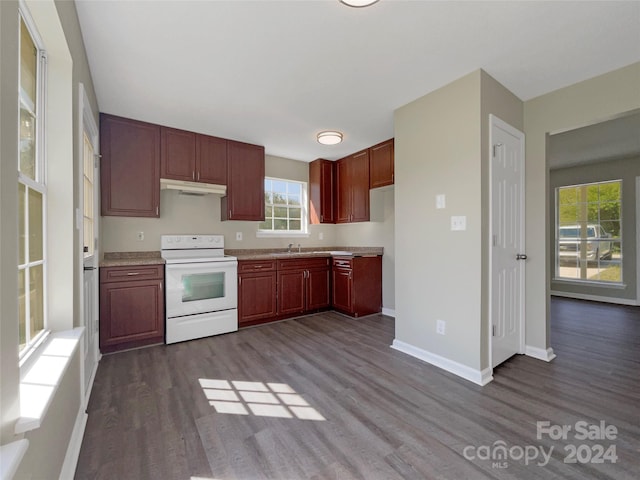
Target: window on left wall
x: 32, y: 190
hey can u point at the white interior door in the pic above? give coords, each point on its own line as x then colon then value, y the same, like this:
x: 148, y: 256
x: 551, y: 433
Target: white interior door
x: 88, y: 226
x: 507, y: 233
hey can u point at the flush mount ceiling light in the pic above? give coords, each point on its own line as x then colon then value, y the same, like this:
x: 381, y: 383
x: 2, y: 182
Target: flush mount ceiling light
x: 329, y: 137
x: 358, y: 3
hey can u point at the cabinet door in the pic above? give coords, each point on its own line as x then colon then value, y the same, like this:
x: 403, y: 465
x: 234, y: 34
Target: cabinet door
x: 131, y: 314
x: 359, y: 182
x: 381, y: 159
x: 343, y: 191
x: 291, y: 291
x: 178, y: 154
x: 256, y: 296
x: 317, y: 288
x: 129, y: 168
x: 245, y: 183
x: 211, y: 159
x: 321, y: 191
x: 341, y: 294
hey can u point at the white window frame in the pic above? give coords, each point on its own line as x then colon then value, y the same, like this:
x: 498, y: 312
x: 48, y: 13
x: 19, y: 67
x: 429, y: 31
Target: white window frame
x: 586, y: 281
x: 39, y: 184
x: 304, y: 215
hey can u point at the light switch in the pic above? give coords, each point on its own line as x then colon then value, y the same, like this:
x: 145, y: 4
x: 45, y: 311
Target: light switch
x: 459, y: 222
x: 440, y: 200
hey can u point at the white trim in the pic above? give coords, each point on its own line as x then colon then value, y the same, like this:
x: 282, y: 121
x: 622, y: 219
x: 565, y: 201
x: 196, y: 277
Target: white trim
x: 596, y: 298
x: 637, y: 240
x: 494, y: 122
x: 73, y: 449
x: 540, y: 353
x: 479, y: 377
x: 390, y: 312
x: 35, y: 395
x: 281, y: 234
x: 11, y: 455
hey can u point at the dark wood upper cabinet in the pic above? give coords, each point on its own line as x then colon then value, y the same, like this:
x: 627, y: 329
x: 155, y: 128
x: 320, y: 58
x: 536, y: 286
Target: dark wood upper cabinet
x: 352, y: 192
x: 193, y: 157
x: 177, y: 154
x: 211, y: 159
x: 130, y: 167
x: 381, y: 160
x: 321, y: 191
x: 245, y: 183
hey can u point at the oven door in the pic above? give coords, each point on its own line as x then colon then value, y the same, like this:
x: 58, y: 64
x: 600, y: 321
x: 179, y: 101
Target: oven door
x: 194, y: 288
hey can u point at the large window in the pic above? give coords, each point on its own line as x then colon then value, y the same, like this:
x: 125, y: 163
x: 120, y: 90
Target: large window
x: 31, y: 192
x: 589, y: 232
x: 285, y: 207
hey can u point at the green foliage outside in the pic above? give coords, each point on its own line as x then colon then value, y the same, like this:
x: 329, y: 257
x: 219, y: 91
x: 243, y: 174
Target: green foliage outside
x: 597, y: 203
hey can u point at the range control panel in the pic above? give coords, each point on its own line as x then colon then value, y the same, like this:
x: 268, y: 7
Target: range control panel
x: 173, y: 242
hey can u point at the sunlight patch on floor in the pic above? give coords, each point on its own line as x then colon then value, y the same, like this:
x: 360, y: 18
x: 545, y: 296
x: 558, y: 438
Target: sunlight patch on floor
x: 277, y: 400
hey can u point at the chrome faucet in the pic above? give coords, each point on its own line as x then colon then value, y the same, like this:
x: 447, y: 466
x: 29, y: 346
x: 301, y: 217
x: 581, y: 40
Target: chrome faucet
x: 289, y: 248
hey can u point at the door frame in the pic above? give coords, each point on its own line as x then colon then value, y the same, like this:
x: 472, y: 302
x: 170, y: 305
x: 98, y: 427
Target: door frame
x: 86, y: 122
x: 496, y: 122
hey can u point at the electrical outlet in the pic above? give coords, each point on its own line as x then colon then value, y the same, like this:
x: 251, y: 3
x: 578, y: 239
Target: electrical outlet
x: 140, y: 236
x: 459, y: 222
x: 239, y: 236
x: 321, y: 236
x: 441, y: 327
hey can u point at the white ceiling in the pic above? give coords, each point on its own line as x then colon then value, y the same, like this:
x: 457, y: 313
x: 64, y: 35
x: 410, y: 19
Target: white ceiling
x: 275, y: 73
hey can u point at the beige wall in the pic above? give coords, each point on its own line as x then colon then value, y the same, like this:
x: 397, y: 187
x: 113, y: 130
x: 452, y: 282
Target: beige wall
x: 185, y: 214
x: 498, y: 101
x: 9, y: 407
x: 577, y: 105
x: 67, y: 66
x: 379, y: 232
x: 442, y: 147
x: 438, y: 271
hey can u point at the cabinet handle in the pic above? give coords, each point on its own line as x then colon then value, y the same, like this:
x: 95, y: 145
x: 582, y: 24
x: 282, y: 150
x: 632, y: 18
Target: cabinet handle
x: 239, y: 280
x: 131, y: 274
x: 193, y: 175
x: 160, y: 283
x: 158, y: 210
x: 198, y: 175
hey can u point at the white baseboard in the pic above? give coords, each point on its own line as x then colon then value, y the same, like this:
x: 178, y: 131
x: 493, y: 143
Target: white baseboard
x: 75, y: 442
x: 596, y: 298
x: 540, y: 353
x: 476, y: 376
x: 391, y: 312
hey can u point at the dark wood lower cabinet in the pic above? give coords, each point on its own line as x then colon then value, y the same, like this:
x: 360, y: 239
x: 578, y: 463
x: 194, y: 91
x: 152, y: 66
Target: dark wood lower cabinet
x: 131, y: 307
x: 257, y: 282
x: 303, y: 285
x: 357, y: 285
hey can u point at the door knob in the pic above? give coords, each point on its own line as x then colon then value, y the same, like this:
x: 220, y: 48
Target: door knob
x: 521, y: 256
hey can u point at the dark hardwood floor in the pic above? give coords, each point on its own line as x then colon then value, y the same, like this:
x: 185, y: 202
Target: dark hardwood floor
x: 324, y: 397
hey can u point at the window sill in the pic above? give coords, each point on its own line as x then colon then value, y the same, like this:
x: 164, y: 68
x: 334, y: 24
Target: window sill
x: 11, y: 455
x: 282, y: 234
x: 41, y: 376
x: 589, y: 283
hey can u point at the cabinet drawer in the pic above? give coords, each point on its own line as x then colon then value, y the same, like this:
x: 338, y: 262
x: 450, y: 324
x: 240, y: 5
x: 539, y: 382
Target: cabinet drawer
x: 303, y: 263
x: 256, y: 266
x: 343, y: 262
x: 134, y: 272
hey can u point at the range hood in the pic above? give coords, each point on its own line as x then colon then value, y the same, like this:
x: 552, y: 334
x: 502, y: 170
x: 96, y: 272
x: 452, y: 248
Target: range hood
x: 192, y: 188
